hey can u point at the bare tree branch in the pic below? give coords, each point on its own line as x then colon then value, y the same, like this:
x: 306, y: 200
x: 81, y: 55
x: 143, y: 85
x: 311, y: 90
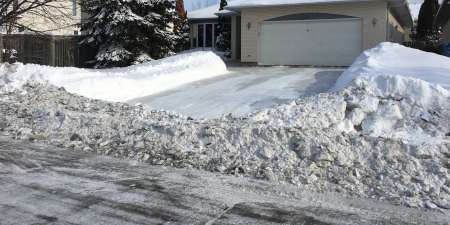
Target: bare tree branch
x: 26, y: 14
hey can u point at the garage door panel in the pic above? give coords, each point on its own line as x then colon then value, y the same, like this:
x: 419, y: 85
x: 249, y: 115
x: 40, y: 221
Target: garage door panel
x: 350, y: 49
x: 315, y: 60
x: 318, y: 43
x: 332, y: 60
x: 332, y: 49
x: 347, y: 60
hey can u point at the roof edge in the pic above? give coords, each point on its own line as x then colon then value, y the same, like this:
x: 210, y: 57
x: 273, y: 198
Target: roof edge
x: 443, y: 14
x: 203, y: 18
x: 239, y: 8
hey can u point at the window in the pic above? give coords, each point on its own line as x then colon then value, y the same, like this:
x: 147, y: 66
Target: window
x: 21, y: 29
x: 201, y: 35
x: 75, y: 32
x: 194, y: 36
x: 74, y: 8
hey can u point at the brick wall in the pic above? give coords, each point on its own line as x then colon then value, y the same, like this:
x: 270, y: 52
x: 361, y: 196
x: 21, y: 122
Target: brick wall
x: 368, y: 11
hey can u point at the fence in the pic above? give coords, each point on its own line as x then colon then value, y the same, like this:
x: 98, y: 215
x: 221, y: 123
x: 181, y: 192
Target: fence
x: 410, y: 44
x: 59, y: 51
x: 420, y: 46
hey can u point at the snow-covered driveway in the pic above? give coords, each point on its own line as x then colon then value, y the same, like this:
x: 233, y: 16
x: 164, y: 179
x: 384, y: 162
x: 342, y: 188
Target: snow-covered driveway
x: 244, y: 91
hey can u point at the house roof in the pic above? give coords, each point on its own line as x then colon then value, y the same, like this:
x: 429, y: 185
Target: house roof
x: 205, y: 13
x: 403, y: 12
x: 443, y: 14
x: 235, y: 7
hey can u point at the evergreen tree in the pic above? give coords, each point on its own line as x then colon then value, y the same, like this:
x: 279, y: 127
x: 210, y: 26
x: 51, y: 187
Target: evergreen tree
x: 181, y: 27
x: 223, y: 41
x: 128, y: 32
x: 427, y: 36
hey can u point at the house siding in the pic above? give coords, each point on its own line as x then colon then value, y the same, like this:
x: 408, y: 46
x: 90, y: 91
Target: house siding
x: 397, y: 36
x: 407, y: 32
x: 446, y: 32
x: 372, y: 35
x: 66, y: 24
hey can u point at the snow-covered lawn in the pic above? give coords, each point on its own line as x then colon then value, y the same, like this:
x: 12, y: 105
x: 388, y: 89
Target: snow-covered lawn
x: 120, y: 84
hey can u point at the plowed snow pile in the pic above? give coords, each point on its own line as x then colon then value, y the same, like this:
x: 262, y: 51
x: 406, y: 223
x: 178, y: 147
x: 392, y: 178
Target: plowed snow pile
x: 122, y: 84
x: 381, y: 136
x: 385, y: 95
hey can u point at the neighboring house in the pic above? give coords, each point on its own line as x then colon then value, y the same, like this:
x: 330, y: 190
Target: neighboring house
x: 304, y: 32
x: 408, y: 32
x: 415, y: 9
x: 203, y: 25
x: 443, y: 20
x: 65, y: 24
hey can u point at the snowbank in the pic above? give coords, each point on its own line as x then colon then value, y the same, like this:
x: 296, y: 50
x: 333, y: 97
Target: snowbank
x: 395, y: 59
x: 399, y: 93
x: 374, y: 100
x: 118, y: 84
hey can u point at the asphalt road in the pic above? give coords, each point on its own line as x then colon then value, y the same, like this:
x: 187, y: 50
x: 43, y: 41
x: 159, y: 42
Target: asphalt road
x: 46, y: 185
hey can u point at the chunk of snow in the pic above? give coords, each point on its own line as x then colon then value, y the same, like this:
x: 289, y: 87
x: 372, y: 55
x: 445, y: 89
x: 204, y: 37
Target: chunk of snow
x: 356, y: 116
x: 368, y: 104
x: 345, y: 126
x: 383, y: 119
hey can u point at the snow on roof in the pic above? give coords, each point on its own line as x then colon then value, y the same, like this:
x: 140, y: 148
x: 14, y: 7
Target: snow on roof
x: 249, y: 3
x: 204, y: 13
x: 210, y: 12
x: 244, y: 3
x: 415, y: 8
x: 238, y: 5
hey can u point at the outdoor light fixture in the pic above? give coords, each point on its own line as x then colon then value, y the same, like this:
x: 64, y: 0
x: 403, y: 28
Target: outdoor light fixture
x: 374, y: 22
x: 249, y: 25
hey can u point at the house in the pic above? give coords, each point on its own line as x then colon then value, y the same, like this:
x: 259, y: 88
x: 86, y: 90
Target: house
x: 443, y: 20
x: 408, y: 32
x: 303, y: 32
x: 66, y: 17
x: 415, y: 9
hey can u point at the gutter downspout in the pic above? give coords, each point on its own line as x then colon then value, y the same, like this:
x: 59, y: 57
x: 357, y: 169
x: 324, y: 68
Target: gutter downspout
x: 388, y: 22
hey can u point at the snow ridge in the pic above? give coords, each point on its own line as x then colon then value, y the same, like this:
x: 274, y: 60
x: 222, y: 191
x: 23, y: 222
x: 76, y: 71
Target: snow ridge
x: 120, y: 84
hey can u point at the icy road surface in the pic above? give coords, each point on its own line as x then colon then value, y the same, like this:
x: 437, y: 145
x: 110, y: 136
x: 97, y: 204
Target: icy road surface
x: 41, y: 184
x: 245, y: 90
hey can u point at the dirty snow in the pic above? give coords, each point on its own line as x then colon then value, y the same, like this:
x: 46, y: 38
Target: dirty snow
x: 120, y: 84
x: 382, y: 136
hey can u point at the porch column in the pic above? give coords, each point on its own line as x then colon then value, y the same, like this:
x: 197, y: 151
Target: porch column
x: 1, y: 47
x: 234, y: 38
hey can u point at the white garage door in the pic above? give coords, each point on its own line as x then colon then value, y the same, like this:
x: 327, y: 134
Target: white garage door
x: 317, y: 43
